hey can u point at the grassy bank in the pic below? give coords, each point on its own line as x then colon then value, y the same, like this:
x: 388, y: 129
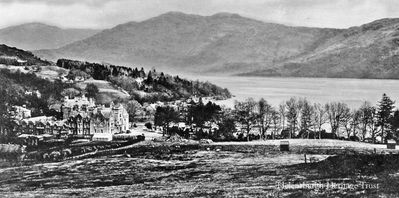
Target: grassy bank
x: 207, y: 170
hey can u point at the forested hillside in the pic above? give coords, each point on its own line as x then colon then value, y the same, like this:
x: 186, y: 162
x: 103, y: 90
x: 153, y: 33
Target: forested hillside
x: 37, y: 94
x: 148, y: 86
x: 15, y: 56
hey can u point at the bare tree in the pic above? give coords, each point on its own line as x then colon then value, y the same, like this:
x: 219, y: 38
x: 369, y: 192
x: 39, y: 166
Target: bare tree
x: 374, y: 130
x: 319, y: 117
x: 245, y: 114
x: 346, y: 122
x: 306, y: 112
x: 364, y: 119
x: 275, y: 121
x: 282, y: 112
x: 292, y: 114
x: 335, y: 112
x: 355, y: 122
x: 265, y: 116
x: 368, y: 121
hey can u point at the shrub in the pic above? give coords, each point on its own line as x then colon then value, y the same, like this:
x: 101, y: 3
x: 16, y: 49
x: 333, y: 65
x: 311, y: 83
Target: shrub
x: 148, y: 125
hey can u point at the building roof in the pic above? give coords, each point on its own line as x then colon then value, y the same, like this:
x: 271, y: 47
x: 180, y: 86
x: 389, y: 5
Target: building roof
x: 42, y: 119
x: 56, y: 107
x: 79, y: 101
x: 107, y: 112
x: 19, y: 108
x: 59, y: 123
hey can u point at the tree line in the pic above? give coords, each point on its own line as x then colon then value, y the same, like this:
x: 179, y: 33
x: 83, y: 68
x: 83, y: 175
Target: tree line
x: 300, y: 118
x: 294, y: 118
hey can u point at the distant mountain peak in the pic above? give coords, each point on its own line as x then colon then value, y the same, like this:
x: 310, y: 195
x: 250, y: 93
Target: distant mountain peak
x: 36, y: 35
x: 377, y: 24
x: 176, y: 15
x: 385, y: 21
x: 226, y: 15
x: 31, y: 25
x: 35, y: 24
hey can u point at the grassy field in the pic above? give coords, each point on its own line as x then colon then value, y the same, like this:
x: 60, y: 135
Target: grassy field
x: 205, y: 171
x: 312, y: 143
x: 46, y: 72
x: 107, y: 92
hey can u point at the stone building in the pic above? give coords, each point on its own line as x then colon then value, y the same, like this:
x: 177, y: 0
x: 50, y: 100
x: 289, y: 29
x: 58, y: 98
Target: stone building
x: 85, y: 119
x: 112, y: 119
x: 80, y: 125
x: 72, y: 107
x: 81, y: 119
x: 19, y: 113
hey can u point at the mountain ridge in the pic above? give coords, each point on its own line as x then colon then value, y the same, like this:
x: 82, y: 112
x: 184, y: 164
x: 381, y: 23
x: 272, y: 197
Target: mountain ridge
x: 36, y: 35
x: 227, y: 43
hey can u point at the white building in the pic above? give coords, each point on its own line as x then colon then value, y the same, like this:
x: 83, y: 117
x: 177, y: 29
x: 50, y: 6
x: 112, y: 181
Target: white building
x: 20, y: 113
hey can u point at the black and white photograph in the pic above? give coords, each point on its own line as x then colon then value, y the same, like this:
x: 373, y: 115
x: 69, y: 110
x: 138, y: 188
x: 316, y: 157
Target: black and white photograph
x: 199, y: 98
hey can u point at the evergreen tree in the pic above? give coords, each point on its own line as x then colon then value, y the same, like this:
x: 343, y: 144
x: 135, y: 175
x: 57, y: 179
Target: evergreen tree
x: 149, y: 79
x: 164, y: 116
x: 142, y: 73
x: 384, y: 115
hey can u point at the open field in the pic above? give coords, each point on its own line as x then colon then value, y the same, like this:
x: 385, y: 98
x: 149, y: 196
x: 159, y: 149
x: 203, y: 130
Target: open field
x: 323, y: 143
x: 107, y: 93
x: 52, y: 72
x: 46, y: 72
x: 169, y: 170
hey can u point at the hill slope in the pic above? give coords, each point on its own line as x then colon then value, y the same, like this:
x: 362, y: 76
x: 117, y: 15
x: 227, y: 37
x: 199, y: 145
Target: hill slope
x: 15, y: 56
x: 368, y: 51
x: 34, y: 36
x: 222, y: 43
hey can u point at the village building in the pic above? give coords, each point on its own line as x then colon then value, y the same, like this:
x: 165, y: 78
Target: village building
x: 72, y: 107
x: 80, y: 125
x: 34, y: 92
x: 41, y: 125
x: 81, y: 119
x: 19, y: 113
x: 86, y: 120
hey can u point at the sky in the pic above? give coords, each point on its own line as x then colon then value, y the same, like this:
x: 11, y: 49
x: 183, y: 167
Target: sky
x: 101, y: 14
